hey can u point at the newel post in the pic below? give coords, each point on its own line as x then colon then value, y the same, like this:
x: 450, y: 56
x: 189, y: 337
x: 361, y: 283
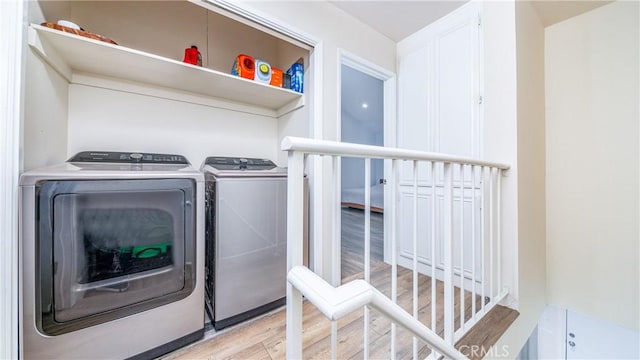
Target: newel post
x: 295, y: 213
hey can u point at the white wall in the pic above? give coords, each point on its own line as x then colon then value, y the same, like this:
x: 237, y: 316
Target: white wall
x: 530, y: 173
x: 592, y: 163
x: 44, y: 132
x: 103, y: 119
x: 45, y: 115
x: 499, y: 128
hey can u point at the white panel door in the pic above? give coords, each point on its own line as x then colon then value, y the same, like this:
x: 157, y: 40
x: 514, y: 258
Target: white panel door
x: 423, y: 223
x: 414, y: 125
x: 439, y: 111
x: 456, y: 92
x: 439, y: 88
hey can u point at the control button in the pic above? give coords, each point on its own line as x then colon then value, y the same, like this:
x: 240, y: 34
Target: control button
x: 243, y: 160
x: 136, y: 156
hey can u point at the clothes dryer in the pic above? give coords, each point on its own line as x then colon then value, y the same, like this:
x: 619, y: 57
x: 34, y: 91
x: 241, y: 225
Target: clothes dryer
x: 112, y: 249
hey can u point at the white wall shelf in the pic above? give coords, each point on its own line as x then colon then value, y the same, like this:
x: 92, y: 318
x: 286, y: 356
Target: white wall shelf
x: 71, y: 54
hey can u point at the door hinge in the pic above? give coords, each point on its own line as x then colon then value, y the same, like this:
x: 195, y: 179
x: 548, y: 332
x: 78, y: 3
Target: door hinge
x: 480, y: 100
x: 383, y: 181
x: 479, y: 21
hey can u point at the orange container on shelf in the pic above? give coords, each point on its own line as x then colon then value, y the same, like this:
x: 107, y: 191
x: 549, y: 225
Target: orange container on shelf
x: 276, y: 77
x: 244, y: 66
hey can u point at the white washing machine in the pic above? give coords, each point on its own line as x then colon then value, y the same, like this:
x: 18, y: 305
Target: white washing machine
x: 246, y: 238
x: 112, y: 257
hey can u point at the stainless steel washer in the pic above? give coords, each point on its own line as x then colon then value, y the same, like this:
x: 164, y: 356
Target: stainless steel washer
x: 246, y: 254
x: 112, y: 257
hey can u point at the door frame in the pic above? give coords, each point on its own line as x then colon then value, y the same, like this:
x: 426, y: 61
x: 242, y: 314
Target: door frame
x: 389, y: 79
x: 12, y: 35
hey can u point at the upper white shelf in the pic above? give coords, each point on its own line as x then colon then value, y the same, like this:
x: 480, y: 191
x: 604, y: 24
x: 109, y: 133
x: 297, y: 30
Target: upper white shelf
x: 69, y: 54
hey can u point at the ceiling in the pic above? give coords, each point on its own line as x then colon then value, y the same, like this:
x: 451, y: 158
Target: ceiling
x: 399, y: 19
x: 551, y: 12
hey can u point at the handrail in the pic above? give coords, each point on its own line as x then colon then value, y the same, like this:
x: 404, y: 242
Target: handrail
x: 336, y: 302
x: 325, y: 147
x: 448, y: 180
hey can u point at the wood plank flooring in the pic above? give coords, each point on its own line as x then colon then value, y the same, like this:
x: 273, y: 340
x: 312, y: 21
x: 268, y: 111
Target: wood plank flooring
x: 352, y: 251
x: 264, y: 338
x: 499, y: 319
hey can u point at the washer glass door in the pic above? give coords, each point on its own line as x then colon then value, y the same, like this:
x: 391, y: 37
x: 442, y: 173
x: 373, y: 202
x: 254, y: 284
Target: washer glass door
x: 110, y: 249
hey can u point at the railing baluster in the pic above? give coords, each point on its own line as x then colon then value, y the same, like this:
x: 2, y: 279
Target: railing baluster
x: 491, y: 239
x: 394, y: 255
x: 335, y: 245
x: 415, y: 252
x: 483, y: 237
x: 337, y: 219
x: 367, y: 246
x: 434, y: 294
x: 448, y: 253
x: 461, y: 246
x: 295, y: 230
x: 473, y: 242
x: 498, y: 229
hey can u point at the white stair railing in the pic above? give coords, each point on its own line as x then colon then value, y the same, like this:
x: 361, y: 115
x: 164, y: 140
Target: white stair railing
x: 456, y: 180
x: 335, y: 303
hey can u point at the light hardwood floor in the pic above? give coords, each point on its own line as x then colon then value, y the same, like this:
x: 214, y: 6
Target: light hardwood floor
x: 352, y: 251
x: 264, y: 337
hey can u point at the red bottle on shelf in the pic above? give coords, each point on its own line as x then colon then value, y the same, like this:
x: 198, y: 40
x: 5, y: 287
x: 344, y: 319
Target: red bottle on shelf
x: 192, y: 56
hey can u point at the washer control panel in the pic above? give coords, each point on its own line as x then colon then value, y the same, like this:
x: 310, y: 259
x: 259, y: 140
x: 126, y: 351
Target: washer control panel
x: 236, y: 163
x: 126, y: 157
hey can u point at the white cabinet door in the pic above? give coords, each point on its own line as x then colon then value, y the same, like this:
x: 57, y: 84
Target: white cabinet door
x: 463, y: 254
x: 566, y: 334
x: 439, y: 111
x: 456, y: 91
x: 413, y: 127
x: 439, y: 85
x: 589, y: 338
